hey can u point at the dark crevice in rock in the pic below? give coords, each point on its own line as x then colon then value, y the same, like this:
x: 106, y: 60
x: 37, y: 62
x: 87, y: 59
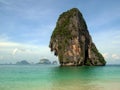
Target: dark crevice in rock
x: 71, y: 42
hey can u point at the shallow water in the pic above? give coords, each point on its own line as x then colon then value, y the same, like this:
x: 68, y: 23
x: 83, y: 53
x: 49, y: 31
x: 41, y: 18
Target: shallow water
x: 52, y: 77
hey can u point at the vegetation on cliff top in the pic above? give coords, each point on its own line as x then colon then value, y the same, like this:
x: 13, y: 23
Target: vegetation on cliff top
x: 61, y: 28
x: 71, y: 41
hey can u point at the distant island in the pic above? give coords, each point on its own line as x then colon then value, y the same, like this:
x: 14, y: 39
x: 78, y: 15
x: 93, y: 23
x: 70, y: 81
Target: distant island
x: 54, y: 62
x: 23, y: 62
x: 72, y: 43
x: 46, y: 61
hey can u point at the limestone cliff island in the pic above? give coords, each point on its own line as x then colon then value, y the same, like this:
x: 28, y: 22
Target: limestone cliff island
x: 72, y: 43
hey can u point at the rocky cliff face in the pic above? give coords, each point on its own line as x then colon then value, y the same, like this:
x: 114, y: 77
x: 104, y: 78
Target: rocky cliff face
x: 72, y: 43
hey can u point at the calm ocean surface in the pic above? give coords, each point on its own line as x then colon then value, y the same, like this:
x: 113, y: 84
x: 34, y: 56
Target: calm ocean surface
x: 52, y: 77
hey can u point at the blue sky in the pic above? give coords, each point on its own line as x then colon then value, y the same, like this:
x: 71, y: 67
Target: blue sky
x: 26, y: 27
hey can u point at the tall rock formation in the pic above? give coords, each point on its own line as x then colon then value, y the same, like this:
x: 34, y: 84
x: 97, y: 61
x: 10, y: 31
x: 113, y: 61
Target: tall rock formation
x: 72, y: 43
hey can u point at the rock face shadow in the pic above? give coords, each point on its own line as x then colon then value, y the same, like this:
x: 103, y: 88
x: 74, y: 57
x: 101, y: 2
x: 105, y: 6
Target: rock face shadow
x: 72, y: 43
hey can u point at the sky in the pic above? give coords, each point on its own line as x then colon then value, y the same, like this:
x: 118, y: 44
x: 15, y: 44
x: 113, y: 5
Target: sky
x: 26, y: 27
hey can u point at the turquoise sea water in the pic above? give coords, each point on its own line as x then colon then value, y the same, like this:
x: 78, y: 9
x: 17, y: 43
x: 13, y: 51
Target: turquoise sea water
x: 52, y: 77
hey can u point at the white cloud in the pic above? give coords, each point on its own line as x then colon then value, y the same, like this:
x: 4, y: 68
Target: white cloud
x: 12, y: 52
x: 111, y: 56
x: 8, y: 44
x: 115, y: 56
x: 105, y: 55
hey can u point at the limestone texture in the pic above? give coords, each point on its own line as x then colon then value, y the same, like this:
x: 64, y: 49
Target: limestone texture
x: 72, y: 43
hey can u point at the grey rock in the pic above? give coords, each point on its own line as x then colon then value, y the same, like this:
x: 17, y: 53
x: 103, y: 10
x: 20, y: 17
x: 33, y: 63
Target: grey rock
x: 72, y: 43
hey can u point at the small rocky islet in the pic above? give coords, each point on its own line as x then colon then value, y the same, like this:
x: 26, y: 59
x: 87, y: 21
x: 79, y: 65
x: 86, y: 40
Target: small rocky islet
x: 72, y: 43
